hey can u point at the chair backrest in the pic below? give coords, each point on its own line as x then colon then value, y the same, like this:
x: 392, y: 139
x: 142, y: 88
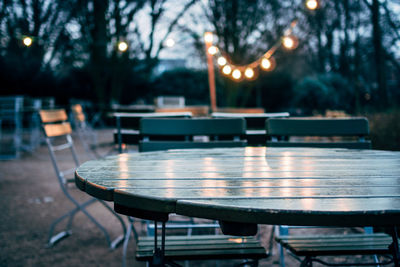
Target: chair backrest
x: 322, y: 127
x: 78, y: 114
x: 54, y: 122
x: 58, y: 131
x: 162, y: 134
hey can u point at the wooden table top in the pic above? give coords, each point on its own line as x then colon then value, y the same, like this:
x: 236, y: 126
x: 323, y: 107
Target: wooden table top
x: 294, y: 186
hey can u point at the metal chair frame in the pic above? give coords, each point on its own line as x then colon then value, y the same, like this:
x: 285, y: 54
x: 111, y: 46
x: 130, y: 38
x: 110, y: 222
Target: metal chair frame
x: 68, y: 144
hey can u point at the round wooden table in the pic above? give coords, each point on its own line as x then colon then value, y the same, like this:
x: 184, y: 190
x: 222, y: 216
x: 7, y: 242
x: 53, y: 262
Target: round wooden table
x: 294, y: 186
x: 243, y: 187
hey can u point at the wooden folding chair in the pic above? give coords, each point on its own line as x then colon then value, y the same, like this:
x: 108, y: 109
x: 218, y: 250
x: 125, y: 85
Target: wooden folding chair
x: 57, y: 131
x: 86, y: 134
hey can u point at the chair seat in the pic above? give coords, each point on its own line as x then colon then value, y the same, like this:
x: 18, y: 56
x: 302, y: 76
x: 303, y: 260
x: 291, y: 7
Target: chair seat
x: 343, y: 244
x: 198, y: 247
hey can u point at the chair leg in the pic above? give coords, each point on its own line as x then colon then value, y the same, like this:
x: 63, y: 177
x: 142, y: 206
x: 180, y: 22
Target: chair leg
x: 118, y: 240
x: 53, y: 239
x: 125, y: 245
x: 307, y: 262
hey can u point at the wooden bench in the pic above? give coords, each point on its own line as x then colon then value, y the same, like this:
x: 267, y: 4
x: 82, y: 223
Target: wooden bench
x: 311, y: 246
x: 169, y: 133
x: 336, y: 130
x: 255, y: 124
x: 203, y: 247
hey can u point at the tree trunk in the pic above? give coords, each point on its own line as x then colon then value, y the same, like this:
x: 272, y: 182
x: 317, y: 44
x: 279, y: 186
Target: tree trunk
x: 98, y: 59
x: 379, y: 54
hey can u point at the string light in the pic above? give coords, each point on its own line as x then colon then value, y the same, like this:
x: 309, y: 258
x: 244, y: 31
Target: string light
x: 170, y: 42
x: 236, y: 74
x: 312, y: 4
x: 227, y: 69
x: 249, y: 73
x: 212, y: 50
x: 266, y: 62
x: 289, y: 42
x: 122, y: 46
x: 221, y: 61
x: 27, y: 41
x: 208, y: 37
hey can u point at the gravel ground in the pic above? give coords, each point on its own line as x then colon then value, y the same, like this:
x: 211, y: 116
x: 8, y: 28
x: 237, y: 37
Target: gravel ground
x: 31, y: 199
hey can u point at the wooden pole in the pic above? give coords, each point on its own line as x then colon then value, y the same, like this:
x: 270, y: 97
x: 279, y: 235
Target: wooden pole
x: 211, y: 75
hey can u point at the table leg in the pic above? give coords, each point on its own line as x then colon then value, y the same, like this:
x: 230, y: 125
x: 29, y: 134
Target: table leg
x: 395, y: 246
x: 158, y: 254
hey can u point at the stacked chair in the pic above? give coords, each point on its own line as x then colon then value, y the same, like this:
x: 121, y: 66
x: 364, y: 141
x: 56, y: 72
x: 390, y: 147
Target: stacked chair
x: 335, y: 133
x: 57, y: 132
x: 173, y: 133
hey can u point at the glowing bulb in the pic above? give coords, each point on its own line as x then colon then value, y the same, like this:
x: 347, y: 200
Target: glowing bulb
x: 288, y: 42
x: 312, y: 4
x: 212, y: 50
x: 236, y: 74
x: 27, y: 41
x: 208, y: 37
x: 226, y: 69
x: 266, y: 63
x: 221, y: 61
x: 249, y: 73
x: 122, y: 46
x: 170, y: 42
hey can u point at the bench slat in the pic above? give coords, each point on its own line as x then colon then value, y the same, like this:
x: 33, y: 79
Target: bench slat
x: 203, y: 247
x: 357, y: 244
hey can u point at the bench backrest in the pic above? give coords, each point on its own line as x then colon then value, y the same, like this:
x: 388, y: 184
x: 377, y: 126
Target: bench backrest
x: 131, y: 120
x: 324, y: 127
x: 161, y: 134
x: 253, y: 120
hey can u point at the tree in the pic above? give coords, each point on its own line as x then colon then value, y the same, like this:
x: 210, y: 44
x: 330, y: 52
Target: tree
x: 103, y: 24
x: 43, y: 21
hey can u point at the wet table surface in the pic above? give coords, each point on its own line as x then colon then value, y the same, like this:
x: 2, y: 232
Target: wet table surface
x: 294, y: 186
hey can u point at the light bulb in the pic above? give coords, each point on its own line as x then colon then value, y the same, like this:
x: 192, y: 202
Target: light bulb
x: 236, y: 74
x: 170, y: 42
x: 208, y: 37
x: 221, y: 61
x: 226, y: 69
x: 288, y: 42
x: 312, y: 4
x: 212, y: 50
x: 266, y: 63
x: 27, y: 41
x: 122, y: 46
x: 249, y: 73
